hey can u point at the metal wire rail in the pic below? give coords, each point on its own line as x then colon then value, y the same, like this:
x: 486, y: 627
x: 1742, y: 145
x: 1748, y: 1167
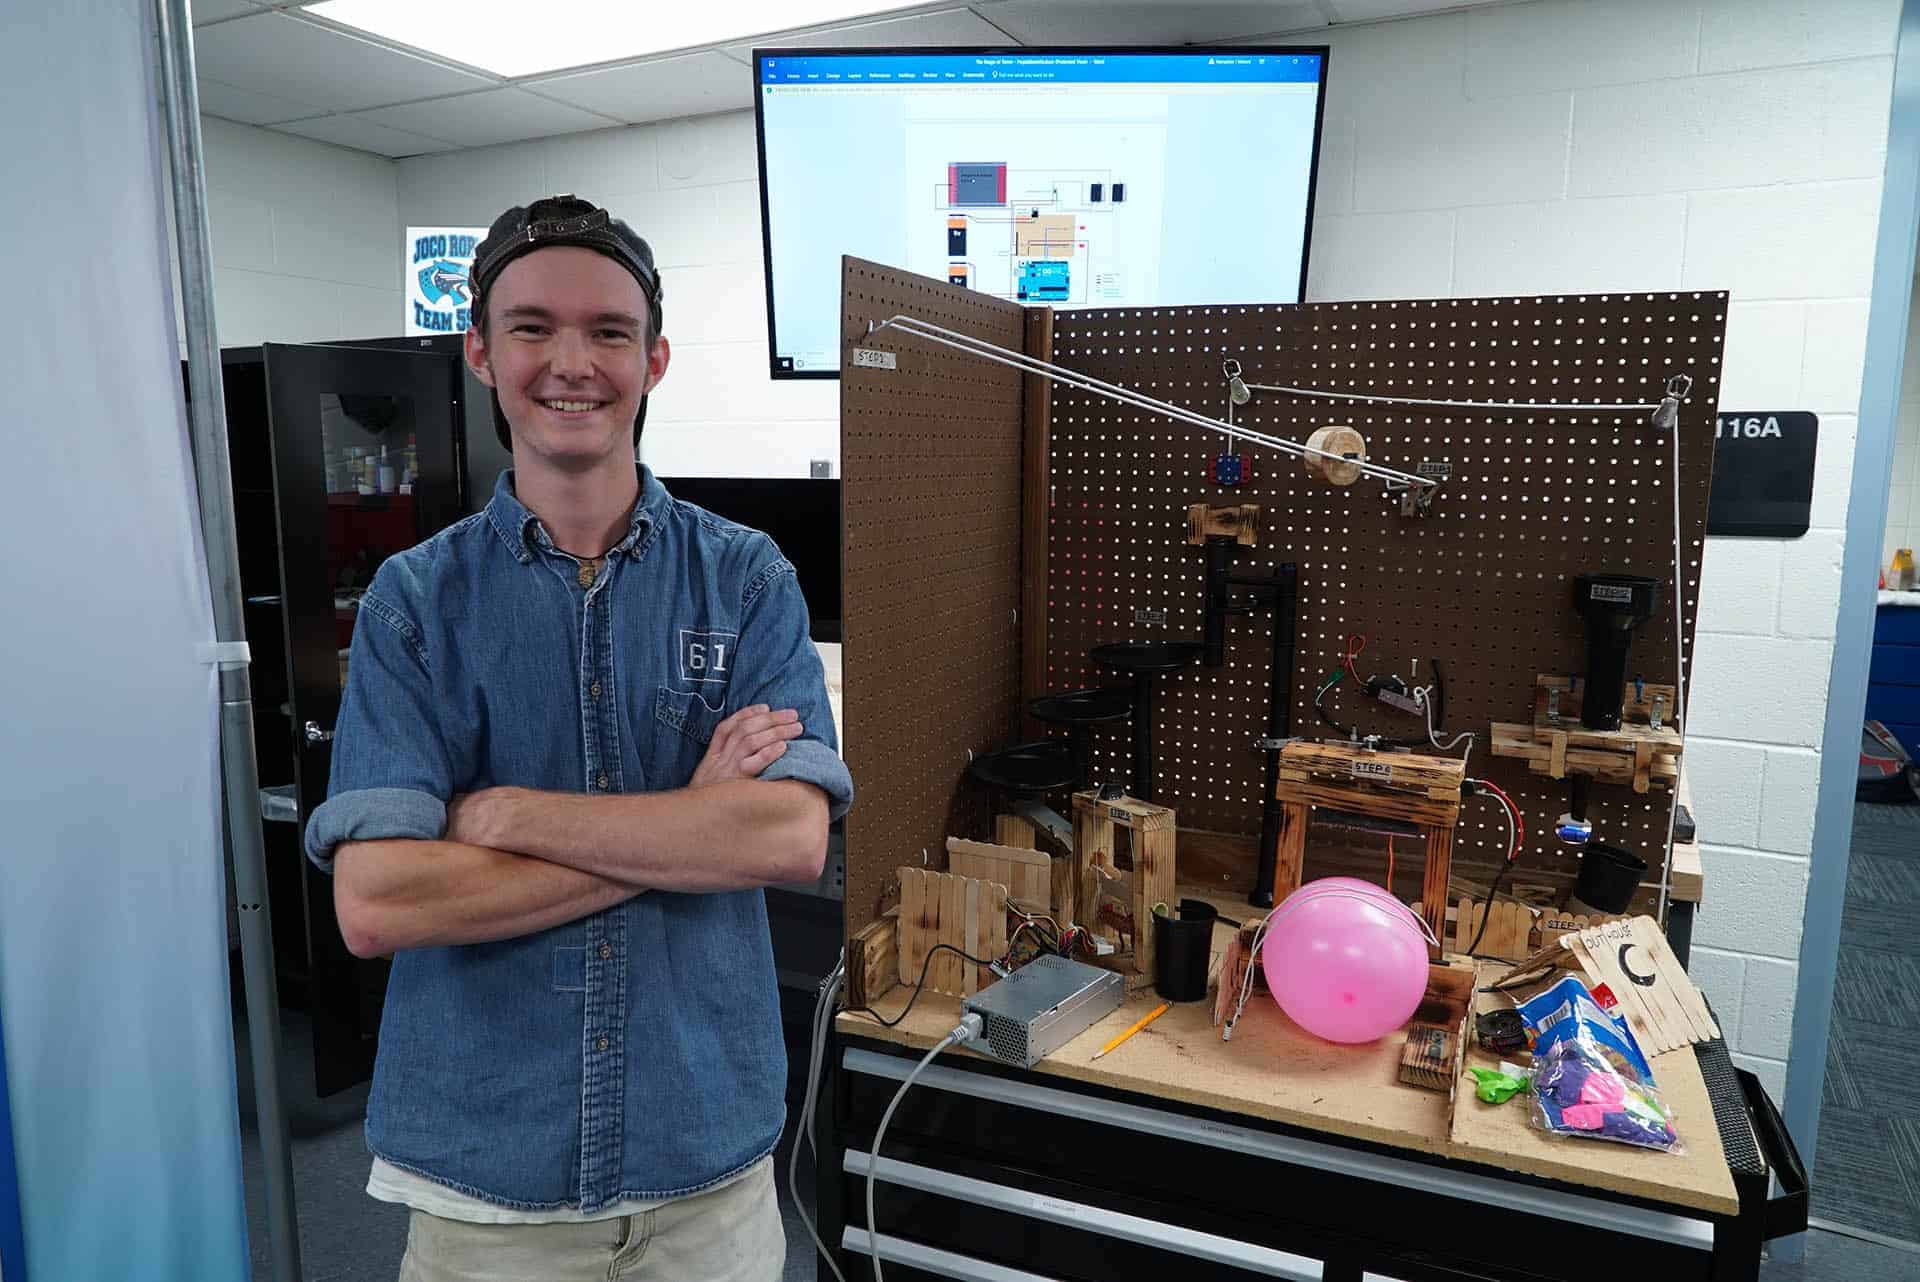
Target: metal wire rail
x: 1665, y: 410
x: 1127, y: 396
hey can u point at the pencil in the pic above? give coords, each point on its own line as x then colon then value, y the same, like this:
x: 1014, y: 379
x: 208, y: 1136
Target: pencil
x: 1146, y: 1019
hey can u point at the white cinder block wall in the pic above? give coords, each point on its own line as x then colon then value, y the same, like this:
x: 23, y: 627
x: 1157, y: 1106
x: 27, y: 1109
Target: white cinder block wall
x: 1654, y: 145
x: 1903, y: 509
x: 1562, y: 145
x: 691, y: 187
x: 306, y: 238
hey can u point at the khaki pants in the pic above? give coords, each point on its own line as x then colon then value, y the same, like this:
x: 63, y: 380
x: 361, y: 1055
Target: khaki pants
x: 732, y: 1234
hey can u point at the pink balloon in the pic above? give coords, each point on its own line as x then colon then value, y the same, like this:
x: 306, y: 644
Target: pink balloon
x: 1345, y: 964
x: 1344, y: 883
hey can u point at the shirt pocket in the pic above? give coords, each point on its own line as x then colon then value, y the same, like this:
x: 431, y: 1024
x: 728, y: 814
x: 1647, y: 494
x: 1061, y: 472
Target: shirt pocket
x: 683, y: 727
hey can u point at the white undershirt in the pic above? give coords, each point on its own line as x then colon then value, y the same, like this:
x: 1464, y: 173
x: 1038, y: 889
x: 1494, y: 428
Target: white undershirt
x: 389, y: 1183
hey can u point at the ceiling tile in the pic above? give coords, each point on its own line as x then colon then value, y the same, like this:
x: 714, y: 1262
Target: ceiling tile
x: 947, y: 27
x: 1128, y: 22
x: 214, y: 10
x: 692, y: 84
x: 483, y: 119
x: 364, y: 135
x: 247, y: 107
x: 273, y: 53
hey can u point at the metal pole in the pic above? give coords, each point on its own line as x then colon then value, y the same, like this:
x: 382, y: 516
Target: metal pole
x: 207, y: 416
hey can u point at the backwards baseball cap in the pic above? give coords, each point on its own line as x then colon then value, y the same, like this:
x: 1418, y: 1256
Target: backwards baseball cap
x: 563, y: 220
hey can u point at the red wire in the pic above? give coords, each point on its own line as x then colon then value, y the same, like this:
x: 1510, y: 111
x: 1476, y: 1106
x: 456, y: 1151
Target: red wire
x: 1355, y: 644
x: 1519, y: 824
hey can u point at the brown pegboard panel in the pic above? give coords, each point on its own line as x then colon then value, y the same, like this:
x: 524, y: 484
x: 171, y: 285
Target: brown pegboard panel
x: 930, y: 458
x: 1483, y: 584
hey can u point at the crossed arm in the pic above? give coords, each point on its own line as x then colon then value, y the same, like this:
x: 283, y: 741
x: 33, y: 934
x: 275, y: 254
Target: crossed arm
x: 515, y: 861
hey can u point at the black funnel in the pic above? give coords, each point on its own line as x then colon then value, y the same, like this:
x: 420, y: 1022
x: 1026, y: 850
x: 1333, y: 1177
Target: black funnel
x: 1613, y: 606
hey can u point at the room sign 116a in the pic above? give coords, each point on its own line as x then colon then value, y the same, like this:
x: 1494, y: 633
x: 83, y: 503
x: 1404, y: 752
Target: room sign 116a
x: 1762, y: 473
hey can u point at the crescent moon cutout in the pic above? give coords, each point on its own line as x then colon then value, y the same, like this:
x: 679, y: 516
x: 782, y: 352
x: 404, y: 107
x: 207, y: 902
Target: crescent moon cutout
x: 1645, y: 981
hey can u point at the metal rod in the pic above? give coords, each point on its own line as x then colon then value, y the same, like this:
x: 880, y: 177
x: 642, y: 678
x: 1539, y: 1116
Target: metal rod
x: 1451, y: 405
x: 1679, y: 689
x: 1126, y: 395
x: 207, y: 418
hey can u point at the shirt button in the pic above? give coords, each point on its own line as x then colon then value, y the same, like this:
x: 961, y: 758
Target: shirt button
x: 602, y: 781
x: 595, y: 690
x: 606, y: 952
x: 603, y: 1043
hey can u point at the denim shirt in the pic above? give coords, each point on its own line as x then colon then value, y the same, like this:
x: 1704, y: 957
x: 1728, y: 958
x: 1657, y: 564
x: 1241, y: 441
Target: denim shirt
x: 637, y: 1052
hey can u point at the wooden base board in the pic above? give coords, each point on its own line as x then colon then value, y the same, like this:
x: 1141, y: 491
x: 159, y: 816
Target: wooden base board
x: 1272, y: 1070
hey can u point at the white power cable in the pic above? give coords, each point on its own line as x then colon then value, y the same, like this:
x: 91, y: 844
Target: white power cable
x: 1127, y: 396
x: 1451, y: 405
x: 822, y: 1017
x: 1424, y: 697
x: 965, y: 1031
x: 1246, y: 984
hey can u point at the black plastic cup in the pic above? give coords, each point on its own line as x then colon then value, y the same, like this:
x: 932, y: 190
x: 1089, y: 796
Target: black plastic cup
x: 1608, y: 877
x: 1182, y: 947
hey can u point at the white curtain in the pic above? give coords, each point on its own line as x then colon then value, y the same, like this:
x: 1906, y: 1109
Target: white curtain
x: 113, y: 961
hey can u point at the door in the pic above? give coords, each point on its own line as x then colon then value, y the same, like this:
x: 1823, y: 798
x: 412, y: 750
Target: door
x: 365, y: 465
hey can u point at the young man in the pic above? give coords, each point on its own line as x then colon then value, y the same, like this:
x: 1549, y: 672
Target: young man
x: 581, y: 730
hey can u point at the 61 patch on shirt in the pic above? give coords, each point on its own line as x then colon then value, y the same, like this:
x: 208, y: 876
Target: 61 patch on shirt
x: 706, y: 656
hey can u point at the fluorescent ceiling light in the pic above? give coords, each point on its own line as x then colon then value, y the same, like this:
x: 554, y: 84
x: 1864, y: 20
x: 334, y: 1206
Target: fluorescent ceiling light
x: 514, y: 38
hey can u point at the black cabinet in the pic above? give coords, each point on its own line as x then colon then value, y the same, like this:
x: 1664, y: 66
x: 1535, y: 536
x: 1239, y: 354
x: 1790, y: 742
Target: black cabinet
x: 996, y: 1174
x: 340, y: 456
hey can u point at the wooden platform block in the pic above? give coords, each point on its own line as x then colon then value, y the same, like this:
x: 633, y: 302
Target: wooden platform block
x: 1095, y: 823
x: 1632, y: 756
x: 1412, y: 787
x: 1437, y: 1033
x: 873, y: 960
x: 1417, y: 774
x: 1636, y: 755
x: 1240, y: 523
x: 961, y: 912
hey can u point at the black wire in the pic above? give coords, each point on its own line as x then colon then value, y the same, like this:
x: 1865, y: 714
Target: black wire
x: 1473, y: 949
x: 1344, y: 732
x: 1391, y: 743
x: 918, y: 988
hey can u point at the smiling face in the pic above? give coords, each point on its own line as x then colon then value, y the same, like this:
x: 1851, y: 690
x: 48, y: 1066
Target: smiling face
x: 566, y: 350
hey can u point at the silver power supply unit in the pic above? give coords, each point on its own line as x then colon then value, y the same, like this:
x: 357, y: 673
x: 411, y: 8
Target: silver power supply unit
x: 1042, y: 1006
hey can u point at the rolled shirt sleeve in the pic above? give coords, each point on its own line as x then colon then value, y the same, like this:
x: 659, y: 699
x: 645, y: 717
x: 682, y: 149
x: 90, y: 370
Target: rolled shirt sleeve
x: 391, y: 776
x: 780, y: 667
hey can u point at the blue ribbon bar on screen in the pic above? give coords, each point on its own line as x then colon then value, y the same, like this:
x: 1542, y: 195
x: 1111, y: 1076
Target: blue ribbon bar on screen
x: 1074, y: 68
